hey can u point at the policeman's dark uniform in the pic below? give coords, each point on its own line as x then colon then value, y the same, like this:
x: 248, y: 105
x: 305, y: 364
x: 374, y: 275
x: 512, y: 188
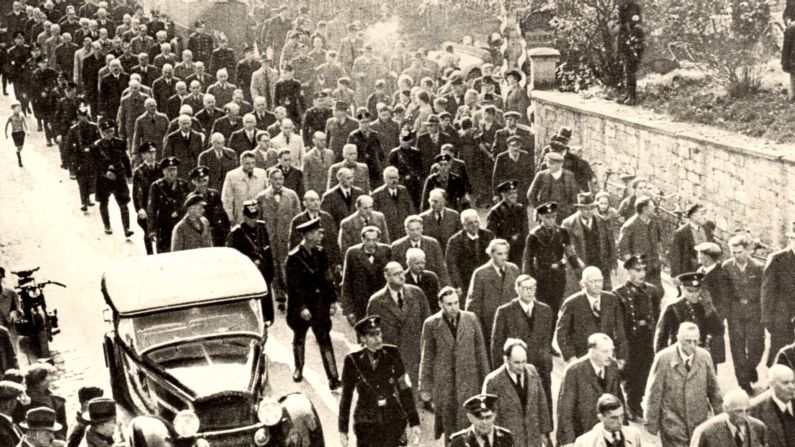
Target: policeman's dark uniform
x: 201, y: 45
x: 113, y: 170
x: 385, y: 401
x: 481, y: 406
x: 64, y: 118
x: 16, y: 57
x: 641, y: 308
x: 214, y: 208
x: 165, y: 205
x: 254, y: 242
x: 77, y: 144
x: 709, y: 323
x: 143, y: 177
x: 310, y: 286
x: 509, y: 221
x: 545, y: 255
x: 315, y: 119
x: 44, y: 83
x: 630, y: 44
x: 408, y: 161
x: 454, y: 185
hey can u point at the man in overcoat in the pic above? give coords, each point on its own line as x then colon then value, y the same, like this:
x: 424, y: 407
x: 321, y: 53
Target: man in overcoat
x: 774, y: 406
x: 394, y: 201
x: 351, y: 226
x: 441, y: 222
x: 452, y: 341
x: 508, y: 219
x: 340, y: 200
x: 363, y: 273
x: 403, y: 308
x: 778, y: 282
x: 164, y: 209
x: 682, y: 389
x: 683, y: 246
x: 591, y: 239
x: 219, y: 159
x: 415, y: 239
x: 733, y: 426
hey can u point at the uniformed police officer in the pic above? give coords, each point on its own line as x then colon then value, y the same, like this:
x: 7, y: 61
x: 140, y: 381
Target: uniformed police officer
x: 630, y: 44
x: 166, y: 197
x: 546, y: 252
x: 694, y: 306
x: 482, y: 432
x: 77, y: 142
x: 640, y: 302
x: 386, y: 402
x: 250, y: 237
x: 311, y: 299
x: 214, y: 209
x: 64, y: 118
x: 508, y: 219
x: 113, y: 169
x: 144, y: 175
x: 200, y: 43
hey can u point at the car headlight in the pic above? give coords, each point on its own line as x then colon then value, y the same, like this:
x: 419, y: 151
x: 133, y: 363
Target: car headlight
x: 269, y: 412
x: 186, y: 423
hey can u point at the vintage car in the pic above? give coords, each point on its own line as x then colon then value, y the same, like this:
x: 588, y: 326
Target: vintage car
x: 186, y: 343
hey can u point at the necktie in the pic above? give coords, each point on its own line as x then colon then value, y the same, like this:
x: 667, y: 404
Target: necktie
x: 601, y: 374
x: 400, y: 300
x: 596, y: 308
x: 439, y: 218
x: 287, y: 140
x: 486, y: 442
x: 687, y: 365
x: 374, y: 359
x: 277, y: 195
x: 738, y: 438
x: 520, y: 381
x: 502, y: 273
x: 366, y: 221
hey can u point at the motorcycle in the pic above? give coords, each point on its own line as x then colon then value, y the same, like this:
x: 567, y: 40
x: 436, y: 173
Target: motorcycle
x: 35, y: 321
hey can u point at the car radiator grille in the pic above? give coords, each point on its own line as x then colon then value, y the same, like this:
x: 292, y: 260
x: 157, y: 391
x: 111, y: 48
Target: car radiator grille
x: 225, y: 410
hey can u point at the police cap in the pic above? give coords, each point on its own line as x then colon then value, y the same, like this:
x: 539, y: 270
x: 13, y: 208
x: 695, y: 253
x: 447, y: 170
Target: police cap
x: 692, y: 279
x: 168, y: 162
x: 508, y: 185
x: 367, y: 324
x: 308, y: 226
x: 199, y: 171
x: 107, y: 125
x: 546, y: 208
x: 194, y: 199
x: 635, y: 262
x: 146, y: 146
x: 481, y: 405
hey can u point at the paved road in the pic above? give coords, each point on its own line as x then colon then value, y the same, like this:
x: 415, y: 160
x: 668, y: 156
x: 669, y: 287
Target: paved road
x: 42, y: 225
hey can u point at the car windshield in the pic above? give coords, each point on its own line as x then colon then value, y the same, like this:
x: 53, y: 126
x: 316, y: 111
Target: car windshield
x: 148, y: 331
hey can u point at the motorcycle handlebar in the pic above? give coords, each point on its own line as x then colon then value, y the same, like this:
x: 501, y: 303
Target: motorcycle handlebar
x: 55, y: 283
x: 41, y: 285
x: 26, y: 272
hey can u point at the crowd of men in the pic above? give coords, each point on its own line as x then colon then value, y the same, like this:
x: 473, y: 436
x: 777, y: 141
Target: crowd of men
x: 353, y: 181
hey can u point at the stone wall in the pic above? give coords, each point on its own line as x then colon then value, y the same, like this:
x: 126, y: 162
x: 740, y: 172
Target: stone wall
x: 747, y: 183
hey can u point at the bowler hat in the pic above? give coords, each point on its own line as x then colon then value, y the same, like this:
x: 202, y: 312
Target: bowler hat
x: 100, y: 409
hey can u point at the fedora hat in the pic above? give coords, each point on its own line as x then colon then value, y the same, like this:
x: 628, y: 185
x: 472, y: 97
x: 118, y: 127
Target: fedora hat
x: 41, y: 418
x: 585, y: 200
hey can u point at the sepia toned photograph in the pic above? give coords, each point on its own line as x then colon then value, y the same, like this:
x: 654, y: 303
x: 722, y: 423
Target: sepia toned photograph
x: 371, y: 223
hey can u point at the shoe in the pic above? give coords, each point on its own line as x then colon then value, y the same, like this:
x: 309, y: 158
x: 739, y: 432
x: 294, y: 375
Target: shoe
x: 84, y: 208
x: 334, y: 383
x: 49, y: 144
x: 90, y: 203
x: 298, y: 376
x: 108, y: 230
x: 428, y: 406
x: 72, y: 177
x: 282, y: 308
x: 128, y: 232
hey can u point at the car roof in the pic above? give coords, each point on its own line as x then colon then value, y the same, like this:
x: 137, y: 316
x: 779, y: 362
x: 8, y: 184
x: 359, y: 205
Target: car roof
x: 150, y: 283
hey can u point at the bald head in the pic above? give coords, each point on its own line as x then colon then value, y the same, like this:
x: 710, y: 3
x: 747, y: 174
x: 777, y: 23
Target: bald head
x: 782, y: 382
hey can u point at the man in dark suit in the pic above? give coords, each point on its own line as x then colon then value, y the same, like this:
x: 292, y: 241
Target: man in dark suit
x: 293, y: 177
x: 584, y: 381
x: 10, y: 433
x: 426, y: 280
x: 209, y: 114
x: 554, y: 184
x: 408, y: 161
x: 174, y: 102
x: 185, y: 144
x: 531, y: 321
x: 219, y: 159
x: 415, y: 239
x: 514, y: 129
x: 588, y: 312
x: 430, y: 144
x: 147, y: 71
x: 786, y: 355
x: 110, y: 89
x: 363, y: 273
x: 312, y: 211
x: 466, y: 250
x: 778, y: 282
x: 340, y: 200
x: 480, y: 412
x: 451, y: 183
x: 246, y: 138
x: 592, y: 240
x: 394, y: 201
x: 508, y: 220
x: 513, y: 164
x: 775, y: 407
x: 440, y: 222
x: 312, y: 299
x: 523, y: 407
x: 733, y: 426
x: 697, y: 230
x: 228, y: 123
x: 547, y: 250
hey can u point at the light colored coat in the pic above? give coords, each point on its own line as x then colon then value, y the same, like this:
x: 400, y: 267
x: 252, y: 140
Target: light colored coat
x: 595, y: 437
x: 238, y: 188
x: 361, y: 175
x: 530, y: 424
x: 150, y: 128
x: 452, y: 369
x: 351, y: 229
x: 132, y: 106
x: 296, y: 148
x: 487, y: 292
x: 316, y: 165
x: 678, y: 401
x: 401, y: 326
x: 277, y: 217
x: 715, y: 432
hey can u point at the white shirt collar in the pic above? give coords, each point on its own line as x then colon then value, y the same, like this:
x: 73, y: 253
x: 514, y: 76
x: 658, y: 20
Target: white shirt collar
x: 682, y: 355
x: 557, y: 175
x: 527, y: 308
x: 782, y: 406
x: 592, y: 299
x: 474, y: 238
x: 490, y: 436
x: 597, y: 369
x: 710, y: 268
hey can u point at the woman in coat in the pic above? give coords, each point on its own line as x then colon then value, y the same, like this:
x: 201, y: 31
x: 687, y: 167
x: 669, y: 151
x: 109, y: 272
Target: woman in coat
x: 193, y: 231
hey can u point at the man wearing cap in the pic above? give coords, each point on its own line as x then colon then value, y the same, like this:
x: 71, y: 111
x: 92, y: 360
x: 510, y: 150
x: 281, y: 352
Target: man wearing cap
x: 514, y: 129
x: 77, y: 144
x: 430, y: 143
x: 245, y: 69
x: 452, y: 184
x: 214, y: 207
x: 694, y: 306
x: 193, y: 230
x: 591, y: 239
x: 508, y: 220
x: 554, y: 184
x: 338, y: 128
x: 777, y: 285
x: 466, y: 361
x: 682, y: 389
x: 316, y: 117
x: 101, y: 418
x: 200, y: 43
x: 515, y: 96
x: 312, y: 211
x: 65, y: 117
x: 716, y: 282
x: 547, y: 250
x: 385, y: 401
x: 640, y: 303
x: 40, y: 428
x: 513, y: 164
x: 312, y: 299
x: 696, y: 231
x: 10, y: 393
x: 113, y: 169
x: 408, y: 161
x: 143, y: 176
x: 368, y: 145
x: 166, y: 198
x: 251, y: 238
x: 76, y: 433
x: 641, y: 235
x: 743, y: 310
x: 482, y: 431
x: 583, y: 173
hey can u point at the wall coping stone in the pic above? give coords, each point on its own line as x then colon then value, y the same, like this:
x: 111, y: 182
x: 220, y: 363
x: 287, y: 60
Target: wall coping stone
x: 655, y: 122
